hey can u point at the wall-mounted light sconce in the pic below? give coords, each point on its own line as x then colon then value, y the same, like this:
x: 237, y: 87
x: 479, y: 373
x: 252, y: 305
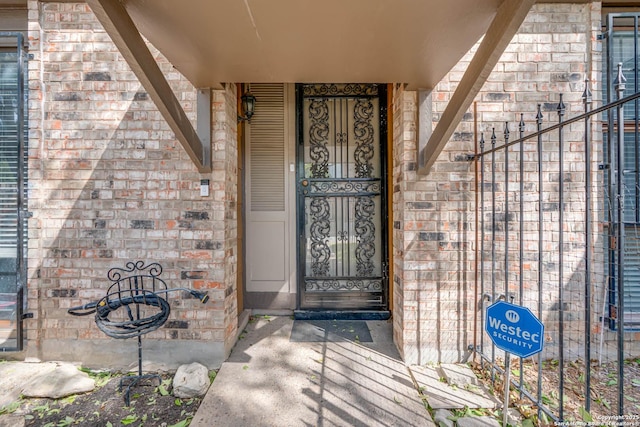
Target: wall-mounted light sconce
x: 248, y: 105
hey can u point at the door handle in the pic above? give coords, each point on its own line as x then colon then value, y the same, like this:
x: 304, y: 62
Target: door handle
x: 304, y: 183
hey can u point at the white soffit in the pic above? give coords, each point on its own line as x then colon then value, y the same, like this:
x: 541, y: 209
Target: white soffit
x: 408, y: 41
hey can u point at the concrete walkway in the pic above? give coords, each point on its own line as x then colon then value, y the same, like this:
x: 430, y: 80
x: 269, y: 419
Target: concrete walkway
x: 270, y: 381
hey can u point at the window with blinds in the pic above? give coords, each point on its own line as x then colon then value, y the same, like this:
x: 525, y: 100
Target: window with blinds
x: 267, y: 148
x: 623, y: 45
x: 11, y: 164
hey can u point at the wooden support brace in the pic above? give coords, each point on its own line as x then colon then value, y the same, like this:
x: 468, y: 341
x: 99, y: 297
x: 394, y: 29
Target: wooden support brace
x: 124, y: 34
x: 504, y: 26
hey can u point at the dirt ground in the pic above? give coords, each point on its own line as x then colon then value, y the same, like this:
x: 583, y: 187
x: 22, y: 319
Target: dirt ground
x: 155, y: 406
x: 150, y: 406
x: 604, y: 391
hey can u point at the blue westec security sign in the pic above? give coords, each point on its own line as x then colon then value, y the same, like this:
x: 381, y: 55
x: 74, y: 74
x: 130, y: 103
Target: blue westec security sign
x: 514, y: 329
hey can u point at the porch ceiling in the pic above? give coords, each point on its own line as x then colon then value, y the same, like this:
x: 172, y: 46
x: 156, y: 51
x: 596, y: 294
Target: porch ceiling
x: 408, y: 41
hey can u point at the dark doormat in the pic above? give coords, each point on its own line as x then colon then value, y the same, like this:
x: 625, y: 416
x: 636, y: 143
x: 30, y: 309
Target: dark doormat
x: 330, y: 330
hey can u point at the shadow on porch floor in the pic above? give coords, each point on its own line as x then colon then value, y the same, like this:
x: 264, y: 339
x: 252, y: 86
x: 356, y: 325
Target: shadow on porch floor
x: 271, y: 380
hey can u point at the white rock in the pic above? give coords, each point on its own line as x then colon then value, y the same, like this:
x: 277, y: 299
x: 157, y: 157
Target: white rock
x: 12, y: 420
x: 64, y: 380
x: 15, y: 375
x: 190, y: 381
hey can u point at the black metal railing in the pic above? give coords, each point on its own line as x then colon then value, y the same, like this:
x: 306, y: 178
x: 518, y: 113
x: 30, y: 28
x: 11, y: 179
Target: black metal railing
x: 551, y: 217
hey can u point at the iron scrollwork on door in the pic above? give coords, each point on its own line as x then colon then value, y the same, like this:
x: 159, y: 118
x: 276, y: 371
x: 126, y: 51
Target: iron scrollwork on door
x: 318, y: 138
x: 337, y: 285
x: 319, y: 232
x: 345, y: 187
x: 342, y: 205
x: 341, y: 89
x: 365, y: 232
x: 363, y: 130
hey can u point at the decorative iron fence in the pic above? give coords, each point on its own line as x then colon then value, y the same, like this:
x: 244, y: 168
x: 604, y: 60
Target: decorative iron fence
x: 556, y: 214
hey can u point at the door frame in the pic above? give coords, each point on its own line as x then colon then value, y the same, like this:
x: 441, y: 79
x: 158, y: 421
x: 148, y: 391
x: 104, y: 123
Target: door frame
x: 385, y: 146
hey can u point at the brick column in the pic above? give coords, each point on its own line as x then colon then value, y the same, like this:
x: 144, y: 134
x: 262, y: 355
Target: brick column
x: 435, y: 304
x: 109, y: 183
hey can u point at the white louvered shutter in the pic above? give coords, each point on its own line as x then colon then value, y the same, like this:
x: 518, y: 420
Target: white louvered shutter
x: 267, y: 146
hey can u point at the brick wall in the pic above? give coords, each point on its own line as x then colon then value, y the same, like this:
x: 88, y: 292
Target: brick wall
x: 435, y: 229
x: 403, y: 142
x: 226, y: 158
x: 109, y: 183
x: 555, y: 50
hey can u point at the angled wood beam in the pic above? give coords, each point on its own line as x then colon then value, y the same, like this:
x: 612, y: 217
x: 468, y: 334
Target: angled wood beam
x: 124, y: 34
x: 504, y: 26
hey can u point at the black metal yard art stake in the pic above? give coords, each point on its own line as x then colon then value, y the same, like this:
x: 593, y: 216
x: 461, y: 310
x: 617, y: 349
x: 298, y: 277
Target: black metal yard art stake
x: 136, y: 308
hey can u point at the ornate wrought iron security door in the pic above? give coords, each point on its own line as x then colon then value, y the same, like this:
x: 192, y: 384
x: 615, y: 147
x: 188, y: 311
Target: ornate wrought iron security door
x: 341, y: 197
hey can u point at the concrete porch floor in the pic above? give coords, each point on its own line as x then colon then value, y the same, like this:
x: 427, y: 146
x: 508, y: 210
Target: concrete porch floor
x: 270, y: 381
